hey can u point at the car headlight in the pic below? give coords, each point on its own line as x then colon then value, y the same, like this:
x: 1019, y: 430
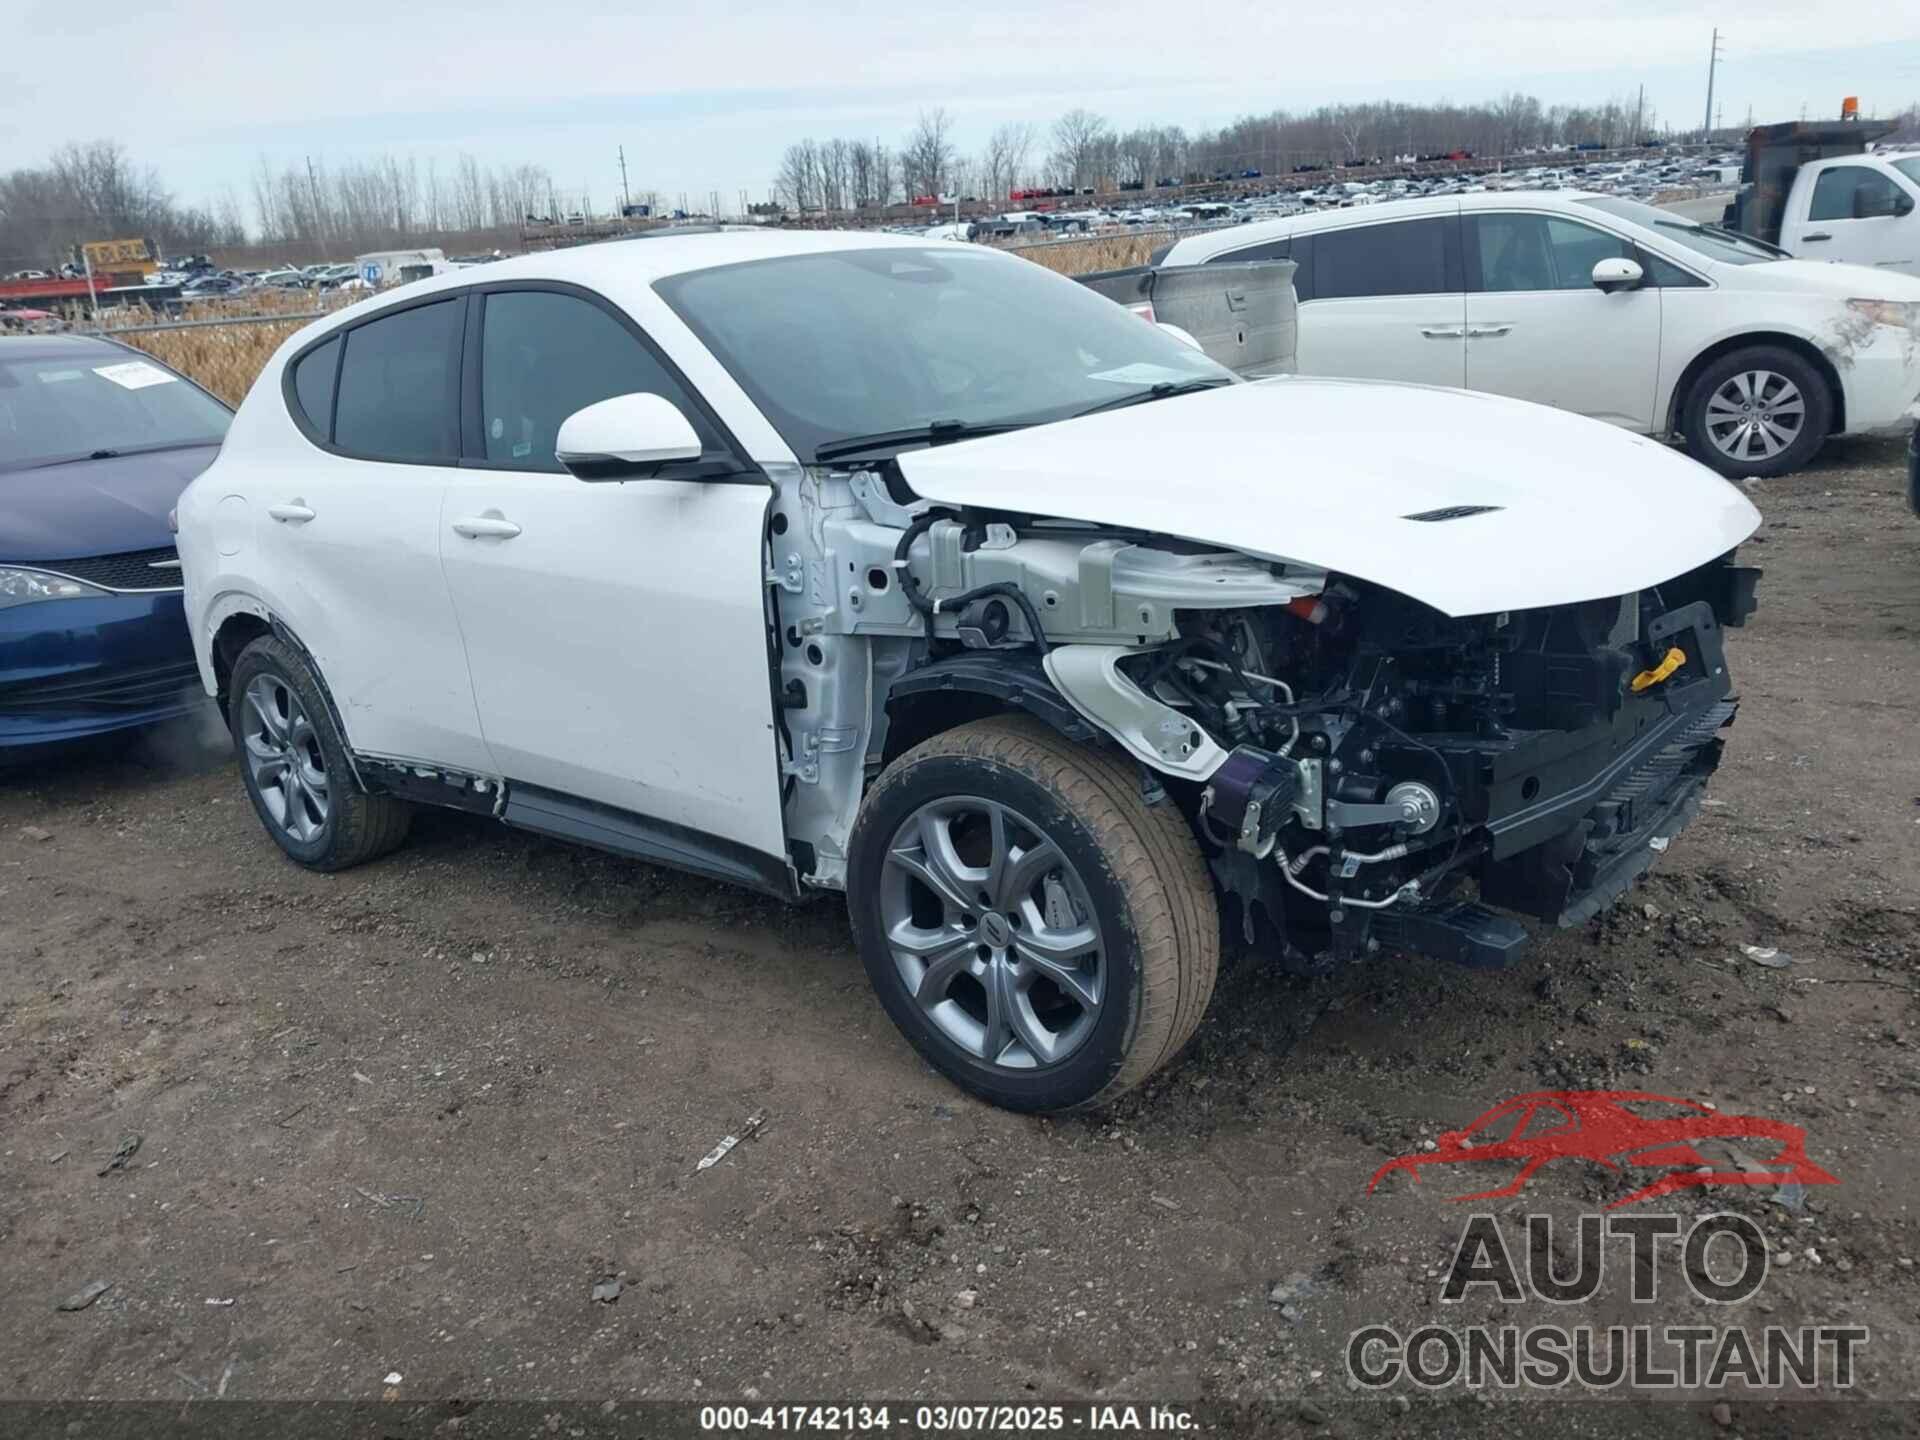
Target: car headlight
x: 1901, y: 314
x: 26, y: 587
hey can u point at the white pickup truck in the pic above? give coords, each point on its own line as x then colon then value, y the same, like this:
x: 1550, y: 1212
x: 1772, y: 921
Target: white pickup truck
x: 1816, y: 191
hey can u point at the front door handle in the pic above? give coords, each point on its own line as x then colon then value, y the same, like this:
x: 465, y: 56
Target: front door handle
x: 1443, y: 332
x: 294, y: 512
x: 491, y: 526
x: 1822, y: 235
x: 1487, y: 332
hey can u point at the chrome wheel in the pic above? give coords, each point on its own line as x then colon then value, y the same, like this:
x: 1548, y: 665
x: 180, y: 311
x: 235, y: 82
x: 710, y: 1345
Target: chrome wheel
x: 1755, y: 414
x: 283, y: 755
x: 992, y: 933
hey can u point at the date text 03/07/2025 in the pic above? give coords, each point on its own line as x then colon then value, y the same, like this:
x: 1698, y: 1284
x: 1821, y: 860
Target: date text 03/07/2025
x: 944, y: 1419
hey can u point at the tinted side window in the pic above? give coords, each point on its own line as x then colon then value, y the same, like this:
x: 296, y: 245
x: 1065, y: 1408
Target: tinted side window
x: 1849, y: 192
x: 1405, y: 258
x: 313, y: 386
x: 400, y: 386
x: 544, y: 355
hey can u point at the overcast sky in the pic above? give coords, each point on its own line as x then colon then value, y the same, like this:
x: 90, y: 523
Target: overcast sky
x: 705, y: 95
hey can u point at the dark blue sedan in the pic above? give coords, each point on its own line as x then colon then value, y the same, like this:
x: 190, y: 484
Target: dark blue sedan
x: 96, y: 443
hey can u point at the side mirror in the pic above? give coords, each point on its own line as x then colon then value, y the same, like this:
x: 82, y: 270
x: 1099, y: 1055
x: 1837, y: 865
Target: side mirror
x: 1880, y: 204
x: 1617, y: 273
x: 627, y: 437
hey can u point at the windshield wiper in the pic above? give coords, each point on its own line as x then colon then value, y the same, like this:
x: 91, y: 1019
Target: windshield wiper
x: 1162, y: 391
x: 116, y: 453
x: 937, y: 432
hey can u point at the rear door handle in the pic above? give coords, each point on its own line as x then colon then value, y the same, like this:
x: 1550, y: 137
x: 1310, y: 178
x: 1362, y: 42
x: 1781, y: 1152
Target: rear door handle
x: 1443, y: 332
x: 1823, y: 235
x: 294, y: 512
x: 1486, y: 332
x: 493, y: 526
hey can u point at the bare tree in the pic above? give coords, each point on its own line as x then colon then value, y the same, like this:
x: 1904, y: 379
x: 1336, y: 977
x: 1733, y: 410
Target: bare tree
x: 928, y: 154
x: 1080, y: 139
x: 798, y: 184
x: 1005, y: 157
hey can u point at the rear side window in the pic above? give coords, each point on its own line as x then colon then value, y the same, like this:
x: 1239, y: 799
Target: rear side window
x: 313, y: 387
x: 544, y: 355
x: 1852, y: 192
x: 1408, y: 257
x: 399, y: 395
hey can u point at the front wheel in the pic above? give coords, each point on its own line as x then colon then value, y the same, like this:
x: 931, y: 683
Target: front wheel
x: 1757, y: 412
x: 1040, y: 933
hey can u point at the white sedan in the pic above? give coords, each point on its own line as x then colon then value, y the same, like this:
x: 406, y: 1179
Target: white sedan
x: 1605, y: 307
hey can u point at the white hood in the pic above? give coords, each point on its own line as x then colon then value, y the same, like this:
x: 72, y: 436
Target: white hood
x: 1325, y: 473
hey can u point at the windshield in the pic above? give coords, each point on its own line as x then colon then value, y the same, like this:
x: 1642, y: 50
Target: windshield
x: 862, y: 342
x: 68, y: 407
x: 1726, y: 246
x: 1908, y: 165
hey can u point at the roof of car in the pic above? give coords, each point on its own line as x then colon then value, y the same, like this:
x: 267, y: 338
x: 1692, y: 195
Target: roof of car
x: 672, y: 254
x: 1217, y: 242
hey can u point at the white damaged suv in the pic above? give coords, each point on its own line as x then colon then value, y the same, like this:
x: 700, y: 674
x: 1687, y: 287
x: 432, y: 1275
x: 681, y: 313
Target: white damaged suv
x: 828, y: 562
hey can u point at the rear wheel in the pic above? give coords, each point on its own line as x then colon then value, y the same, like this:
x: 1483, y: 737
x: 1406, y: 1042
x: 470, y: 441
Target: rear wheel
x: 1756, y: 412
x: 1041, y: 934
x: 295, y: 767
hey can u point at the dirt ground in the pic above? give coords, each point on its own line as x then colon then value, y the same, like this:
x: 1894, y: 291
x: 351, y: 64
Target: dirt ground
x: 404, y: 1119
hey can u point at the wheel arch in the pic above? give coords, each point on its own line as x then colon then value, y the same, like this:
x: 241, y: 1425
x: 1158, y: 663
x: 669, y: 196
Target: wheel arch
x: 950, y: 693
x: 1798, y: 345
x: 242, y: 620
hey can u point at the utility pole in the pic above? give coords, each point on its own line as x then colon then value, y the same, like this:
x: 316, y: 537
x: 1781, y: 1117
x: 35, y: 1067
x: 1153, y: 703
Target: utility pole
x: 1639, y: 109
x: 626, y: 200
x: 1713, y: 60
x: 313, y: 196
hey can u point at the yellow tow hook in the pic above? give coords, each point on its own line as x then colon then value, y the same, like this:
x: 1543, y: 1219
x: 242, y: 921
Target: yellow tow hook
x: 1670, y: 662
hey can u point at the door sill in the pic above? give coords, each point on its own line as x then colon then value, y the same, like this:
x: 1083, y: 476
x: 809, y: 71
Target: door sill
x: 660, y: 842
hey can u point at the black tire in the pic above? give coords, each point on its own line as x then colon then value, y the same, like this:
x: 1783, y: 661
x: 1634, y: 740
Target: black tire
x: 1141, y: 871
x: 357, y: 827
x: 1815, y: 419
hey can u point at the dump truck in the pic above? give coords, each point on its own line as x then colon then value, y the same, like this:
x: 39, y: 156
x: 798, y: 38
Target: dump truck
x: 1818, y: 191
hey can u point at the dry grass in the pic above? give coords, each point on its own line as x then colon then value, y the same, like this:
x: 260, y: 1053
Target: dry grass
x: 225, y: 359
x: 1095, y: 253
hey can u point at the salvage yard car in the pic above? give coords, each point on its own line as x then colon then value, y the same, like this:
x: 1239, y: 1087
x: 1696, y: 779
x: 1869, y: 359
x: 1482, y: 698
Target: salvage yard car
x: 1605, y: 307
x: 847, y: 563
x: 96, y: 443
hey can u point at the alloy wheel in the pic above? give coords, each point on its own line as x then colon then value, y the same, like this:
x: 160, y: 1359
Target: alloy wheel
x: 992, y: 932
x: 1755, y: 414
x: 284, y: 757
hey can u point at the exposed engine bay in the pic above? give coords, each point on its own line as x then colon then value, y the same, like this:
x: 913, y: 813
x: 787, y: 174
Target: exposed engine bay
x: 1363, y: 771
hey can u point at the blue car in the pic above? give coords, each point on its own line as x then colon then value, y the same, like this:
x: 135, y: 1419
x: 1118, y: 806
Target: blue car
x: 97, y: 441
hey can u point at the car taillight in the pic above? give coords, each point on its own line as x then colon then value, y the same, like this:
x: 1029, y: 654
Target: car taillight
x: 1144, y: 310
x: 173, y: 521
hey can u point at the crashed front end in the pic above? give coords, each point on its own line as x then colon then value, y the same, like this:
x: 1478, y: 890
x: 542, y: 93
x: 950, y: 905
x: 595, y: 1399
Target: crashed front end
x: 1371, y: 773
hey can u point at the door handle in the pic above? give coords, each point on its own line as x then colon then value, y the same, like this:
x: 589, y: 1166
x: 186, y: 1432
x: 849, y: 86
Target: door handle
x: 486, y: 527
x: 1823, y: 235
x: 294, y: 512
x: 1443, y: 332
x: 1486, y: 332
